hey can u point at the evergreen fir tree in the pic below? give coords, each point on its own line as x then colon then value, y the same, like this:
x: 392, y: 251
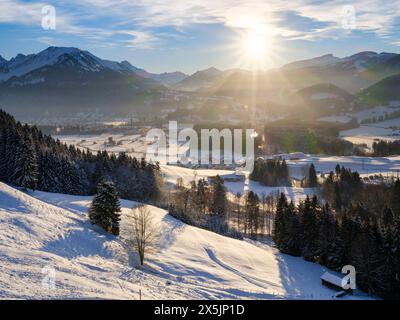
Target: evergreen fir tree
x: 252, y: 210
x: 3, y: 158
x: 280, y: 222
x: 218, y: 205
x: 293, y: 239
x: 367, y: 258
x: 105, y: 208
x: 312, y: 177
x: 390, y: 249
x: 338, y: 170
x: 337, y: 196
x: 26, y: 166
x: 48, y: 179
x: 348, y: 232
x: 326, y: 235
x: 334, y: 256
x: 9, y: 165
x: 395, y: 197
x: 308, y: 214
x: 201, y: 195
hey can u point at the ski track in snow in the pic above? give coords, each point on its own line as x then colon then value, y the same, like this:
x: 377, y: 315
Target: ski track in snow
x: 252, y: 280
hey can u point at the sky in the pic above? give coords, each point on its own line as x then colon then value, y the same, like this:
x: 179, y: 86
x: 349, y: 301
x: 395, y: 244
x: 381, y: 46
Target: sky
x: 186, y: 35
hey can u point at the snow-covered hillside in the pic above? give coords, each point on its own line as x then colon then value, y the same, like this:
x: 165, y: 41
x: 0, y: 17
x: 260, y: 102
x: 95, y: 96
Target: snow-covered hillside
x: 40, y: 231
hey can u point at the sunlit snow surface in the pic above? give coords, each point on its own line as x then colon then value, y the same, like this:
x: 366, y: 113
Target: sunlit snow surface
x: 42, y: 230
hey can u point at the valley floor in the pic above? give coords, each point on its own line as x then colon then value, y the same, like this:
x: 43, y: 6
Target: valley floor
x: 46, y: 237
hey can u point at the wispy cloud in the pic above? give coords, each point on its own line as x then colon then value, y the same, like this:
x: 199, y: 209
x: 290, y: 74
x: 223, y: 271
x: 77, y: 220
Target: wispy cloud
x: 72, y: 22
x: 138, y: 20
x: 371, y: 15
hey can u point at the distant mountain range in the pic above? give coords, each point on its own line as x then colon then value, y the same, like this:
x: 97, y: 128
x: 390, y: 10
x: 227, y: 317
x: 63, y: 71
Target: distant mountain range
x: 65, y: 80
x: 200, y: 79
x: 60, y: 78
x: 352, y: 74
x: 23, y: 64
x: 324, y: 60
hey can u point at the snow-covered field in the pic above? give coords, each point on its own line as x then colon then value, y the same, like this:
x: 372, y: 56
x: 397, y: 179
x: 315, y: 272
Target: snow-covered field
x: 364, y: 165
x: 387, y: 166
x: 47, y: 236
x: 172, y: 173
x: 387, y: 130
x: 368, y: 134
x: 379, y: 111
x: 134, y: 145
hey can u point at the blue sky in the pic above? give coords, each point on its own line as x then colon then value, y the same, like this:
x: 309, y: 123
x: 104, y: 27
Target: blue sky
x: 185, y: 35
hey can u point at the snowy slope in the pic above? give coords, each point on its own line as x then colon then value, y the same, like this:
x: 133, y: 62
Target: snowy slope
x: 190, y: 262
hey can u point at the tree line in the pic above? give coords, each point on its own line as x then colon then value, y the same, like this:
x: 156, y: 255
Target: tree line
x: 355, y: 224
x: 203, y: 204
x: 271, y: 172
x: 32, y: 160
x: 384, y: 148
x: 274, y: 172
x: 342, y: 187
x: 206, y: 204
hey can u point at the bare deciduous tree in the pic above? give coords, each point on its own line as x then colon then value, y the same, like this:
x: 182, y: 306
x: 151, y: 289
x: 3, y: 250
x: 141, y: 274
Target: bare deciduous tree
x: 144, y: 234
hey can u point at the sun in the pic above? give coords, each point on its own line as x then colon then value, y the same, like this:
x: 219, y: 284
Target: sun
x: 255, y: 45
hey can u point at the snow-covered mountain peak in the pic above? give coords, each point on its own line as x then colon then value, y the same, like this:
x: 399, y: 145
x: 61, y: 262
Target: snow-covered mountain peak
x: 362, y: 60
x: 23, y: 64
x: 324, y: 60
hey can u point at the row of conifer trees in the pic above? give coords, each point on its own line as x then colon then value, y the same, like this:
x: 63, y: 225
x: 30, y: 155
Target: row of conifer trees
x: 32, y: 160
x: 353, y: 234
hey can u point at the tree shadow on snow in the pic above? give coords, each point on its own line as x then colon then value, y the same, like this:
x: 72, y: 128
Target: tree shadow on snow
x: 301, y: 279
x: 168, y: 230
x: 80, y: 242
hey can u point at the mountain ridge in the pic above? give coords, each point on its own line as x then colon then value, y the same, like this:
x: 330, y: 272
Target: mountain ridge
x: 22, y: 64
